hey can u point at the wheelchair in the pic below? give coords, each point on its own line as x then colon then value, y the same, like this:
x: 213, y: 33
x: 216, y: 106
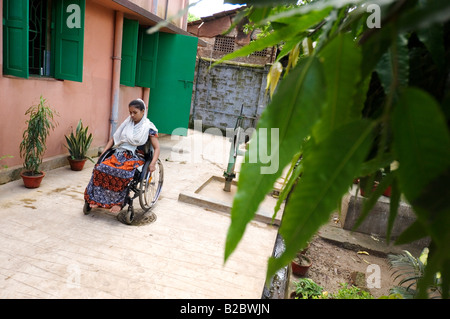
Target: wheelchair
x: 145, y: 185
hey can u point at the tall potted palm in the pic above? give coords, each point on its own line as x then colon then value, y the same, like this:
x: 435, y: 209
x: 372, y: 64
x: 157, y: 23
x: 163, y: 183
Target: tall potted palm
x: 78, y: 145
x: 33, y: 146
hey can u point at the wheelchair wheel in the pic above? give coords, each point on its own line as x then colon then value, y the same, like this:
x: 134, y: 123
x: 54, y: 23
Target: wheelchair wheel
x: 129, y: 215
x: 150, y: 186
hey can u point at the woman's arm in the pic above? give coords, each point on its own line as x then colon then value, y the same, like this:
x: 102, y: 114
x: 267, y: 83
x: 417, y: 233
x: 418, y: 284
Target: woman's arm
x: 156, y: 152
x: 108, y: 145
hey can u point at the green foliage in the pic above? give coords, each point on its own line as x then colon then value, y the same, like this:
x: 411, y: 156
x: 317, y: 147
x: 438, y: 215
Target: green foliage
x: 32, y: 148
x: 78, y: 144
x: 358, y: 100
x: 351, y: 292
x: 392, y: 296
x: 192, y: 17
x: 306, y: 288
x: 410, y: 270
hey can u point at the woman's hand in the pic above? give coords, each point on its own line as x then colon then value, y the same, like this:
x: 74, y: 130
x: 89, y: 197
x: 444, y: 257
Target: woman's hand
x: 152, y: 168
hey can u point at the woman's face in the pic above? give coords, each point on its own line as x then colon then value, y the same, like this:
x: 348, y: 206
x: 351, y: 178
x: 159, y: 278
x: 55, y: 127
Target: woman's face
x: 136, y: 114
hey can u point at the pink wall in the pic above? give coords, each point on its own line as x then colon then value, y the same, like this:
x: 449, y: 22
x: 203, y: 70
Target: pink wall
x: 89, y: 100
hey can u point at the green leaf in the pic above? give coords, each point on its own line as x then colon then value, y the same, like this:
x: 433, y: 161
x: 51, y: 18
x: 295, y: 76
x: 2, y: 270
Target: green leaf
x: 422, y: 145
x: 257, y: 14
x: 433, y: 38
x: 79, y: 126
x: 394, y: 202
x: 427, y: 13
x: 414, y: 232
x: 373, y: 48
x: 376, y: 163
x: 78, y: 144
x: 435, y: 198
x: 295, y: 108
x: 294, y: 172
x: 329, y: 168
x: 394, y: 65
x: 262, y: 2
x: 306, y: 8
x: 438, y: 260
x: 287, y: 47
x: 340, y: 58
x: 421, y: 141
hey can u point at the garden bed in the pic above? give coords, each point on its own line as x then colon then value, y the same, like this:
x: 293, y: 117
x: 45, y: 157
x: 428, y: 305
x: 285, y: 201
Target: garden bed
x: 333, y: 266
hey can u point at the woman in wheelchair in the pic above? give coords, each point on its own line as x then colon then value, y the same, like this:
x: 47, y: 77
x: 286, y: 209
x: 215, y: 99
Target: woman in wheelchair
x: 110, y: 178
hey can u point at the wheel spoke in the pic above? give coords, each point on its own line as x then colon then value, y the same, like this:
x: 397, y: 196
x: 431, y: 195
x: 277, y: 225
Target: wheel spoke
x: 150, y: 187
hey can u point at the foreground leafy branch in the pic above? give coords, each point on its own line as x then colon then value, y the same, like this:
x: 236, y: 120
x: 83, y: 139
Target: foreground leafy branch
x: 358, y: 100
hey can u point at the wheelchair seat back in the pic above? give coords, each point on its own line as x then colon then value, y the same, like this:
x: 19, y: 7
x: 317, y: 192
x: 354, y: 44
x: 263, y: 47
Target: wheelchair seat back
x: 146, y: 150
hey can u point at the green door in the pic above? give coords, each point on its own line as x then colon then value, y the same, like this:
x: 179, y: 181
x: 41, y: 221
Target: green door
x: 170, y: 98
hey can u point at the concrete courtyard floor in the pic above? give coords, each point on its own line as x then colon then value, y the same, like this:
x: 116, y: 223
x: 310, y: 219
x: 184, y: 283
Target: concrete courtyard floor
x: 50, y: 249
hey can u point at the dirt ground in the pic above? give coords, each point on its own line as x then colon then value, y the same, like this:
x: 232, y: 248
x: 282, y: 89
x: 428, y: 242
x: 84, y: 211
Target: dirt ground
x: 333, y: 265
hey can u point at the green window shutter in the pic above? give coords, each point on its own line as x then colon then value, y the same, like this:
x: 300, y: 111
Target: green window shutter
x: 69, y: 39
x: 146, y: 58
x: 15, y: 38
x: 129, y: 52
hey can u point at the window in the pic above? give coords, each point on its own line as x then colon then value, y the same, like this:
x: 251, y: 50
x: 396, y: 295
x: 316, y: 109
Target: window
x: 262, y: 53
x: 43, y: 37
x: 39, y: 34
x: 224, y: 44
x: 139, y: 51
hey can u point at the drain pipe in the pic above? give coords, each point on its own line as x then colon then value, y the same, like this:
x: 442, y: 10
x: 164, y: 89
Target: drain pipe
x: 115, y: 85
x: 146, y: 97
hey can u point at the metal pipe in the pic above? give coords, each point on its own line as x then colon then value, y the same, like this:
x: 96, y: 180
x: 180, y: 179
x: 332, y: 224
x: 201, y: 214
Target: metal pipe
x: 230, y: 174
x: 146, y: 98
x: 115, y: 82
x: 155, y: 7
x: 167, y: 10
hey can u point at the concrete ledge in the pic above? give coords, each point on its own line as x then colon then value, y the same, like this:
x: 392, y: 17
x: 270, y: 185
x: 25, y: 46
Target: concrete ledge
x: 200, y: 200
x: 377, y: 220
x: 359, y: 241
x: 13, y: 173
x: 211, y: 195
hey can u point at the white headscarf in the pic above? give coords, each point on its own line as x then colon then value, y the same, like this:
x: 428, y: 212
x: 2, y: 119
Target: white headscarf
x: 134, y: 134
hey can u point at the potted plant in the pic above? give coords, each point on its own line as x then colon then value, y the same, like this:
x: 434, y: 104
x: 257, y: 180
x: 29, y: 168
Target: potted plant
x: 305, y: 249
x: 78, y: 145
x: 306, y: 288
x: 300, y: 264
x: 376, y: 179
x: 32, y: 148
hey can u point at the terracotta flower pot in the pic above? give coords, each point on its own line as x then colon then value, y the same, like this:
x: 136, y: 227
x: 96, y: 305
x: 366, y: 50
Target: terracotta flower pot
x: 76, y: 165
x: 32, y: 181
x: 300, y: 265
x: 386, y: 193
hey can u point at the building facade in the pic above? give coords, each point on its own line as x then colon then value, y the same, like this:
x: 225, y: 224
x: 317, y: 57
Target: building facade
x: 89, y: 59
x: 214, y: 31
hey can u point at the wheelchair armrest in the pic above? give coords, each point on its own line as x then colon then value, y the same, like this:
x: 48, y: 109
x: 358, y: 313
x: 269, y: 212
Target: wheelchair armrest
x: 146, y: 150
